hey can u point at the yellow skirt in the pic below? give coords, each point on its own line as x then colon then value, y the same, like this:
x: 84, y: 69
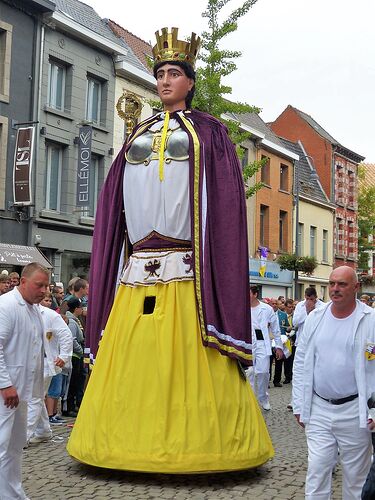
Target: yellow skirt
x: 159, y: 401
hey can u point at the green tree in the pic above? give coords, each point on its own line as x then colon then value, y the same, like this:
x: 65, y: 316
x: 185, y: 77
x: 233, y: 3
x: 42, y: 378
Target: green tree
x: 294, y: 262
x: 211, y: 94
x: 366, y: 219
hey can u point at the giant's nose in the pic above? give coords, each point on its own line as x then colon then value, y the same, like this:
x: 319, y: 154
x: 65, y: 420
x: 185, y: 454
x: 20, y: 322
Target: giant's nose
x: 165, y: 79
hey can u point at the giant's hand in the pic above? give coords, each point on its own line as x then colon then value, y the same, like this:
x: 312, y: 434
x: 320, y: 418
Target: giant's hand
x: 10, y: 397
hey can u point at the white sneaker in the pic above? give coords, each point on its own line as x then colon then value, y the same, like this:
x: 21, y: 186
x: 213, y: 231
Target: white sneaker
x: 266, y: 406
x: 290, y: 406
x: 39, y: 439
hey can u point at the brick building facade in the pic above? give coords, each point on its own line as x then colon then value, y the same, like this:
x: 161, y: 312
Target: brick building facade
x: 337, y: 167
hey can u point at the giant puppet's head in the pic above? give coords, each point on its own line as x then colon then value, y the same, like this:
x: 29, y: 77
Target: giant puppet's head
x: 169, y: 49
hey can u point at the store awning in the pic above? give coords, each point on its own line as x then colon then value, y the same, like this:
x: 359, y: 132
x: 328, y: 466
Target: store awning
x: 18, y: 255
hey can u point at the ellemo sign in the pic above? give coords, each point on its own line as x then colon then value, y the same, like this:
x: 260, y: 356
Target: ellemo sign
x: 84, y: 162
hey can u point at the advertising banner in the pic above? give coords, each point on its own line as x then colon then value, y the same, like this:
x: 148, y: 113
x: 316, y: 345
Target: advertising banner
x: 84, y: 164
x: 22, y: 168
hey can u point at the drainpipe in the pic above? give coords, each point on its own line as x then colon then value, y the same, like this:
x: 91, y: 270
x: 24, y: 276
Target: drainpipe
x: 333, y: 200
x: 296, y: 212
x: 36, y: 118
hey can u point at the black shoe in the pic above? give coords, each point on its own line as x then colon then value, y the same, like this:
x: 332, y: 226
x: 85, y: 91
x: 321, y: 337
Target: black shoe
x: 71, y: 414
x: 277, y: 384
x: 287, y: 381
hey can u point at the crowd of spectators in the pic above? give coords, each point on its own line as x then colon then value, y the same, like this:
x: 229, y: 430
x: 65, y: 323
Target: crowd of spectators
x: 291, y: 314
x: 64, y: 391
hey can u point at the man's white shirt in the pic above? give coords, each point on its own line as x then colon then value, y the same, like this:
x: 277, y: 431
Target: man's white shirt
x: 334, y: 364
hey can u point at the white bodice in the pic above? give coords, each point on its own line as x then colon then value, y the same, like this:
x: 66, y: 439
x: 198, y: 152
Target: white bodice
x: 155, y: 205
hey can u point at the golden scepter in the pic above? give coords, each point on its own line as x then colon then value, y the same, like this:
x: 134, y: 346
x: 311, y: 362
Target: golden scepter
x: 132, y: 109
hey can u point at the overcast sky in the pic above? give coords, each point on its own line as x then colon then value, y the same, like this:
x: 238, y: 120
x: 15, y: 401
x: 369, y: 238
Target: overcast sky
x: 317, y: 55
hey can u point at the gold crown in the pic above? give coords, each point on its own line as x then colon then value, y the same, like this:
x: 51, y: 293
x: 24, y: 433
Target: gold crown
x: 168, y: 48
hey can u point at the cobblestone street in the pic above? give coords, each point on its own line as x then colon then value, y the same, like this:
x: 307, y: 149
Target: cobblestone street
x: 49, y: 473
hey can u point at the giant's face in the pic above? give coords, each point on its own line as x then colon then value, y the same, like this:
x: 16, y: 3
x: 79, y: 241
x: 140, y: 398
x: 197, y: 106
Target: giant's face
x: 173, y: 86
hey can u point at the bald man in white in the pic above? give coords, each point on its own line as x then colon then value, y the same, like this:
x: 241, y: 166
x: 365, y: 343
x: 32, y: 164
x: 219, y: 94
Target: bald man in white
x: 334, y: 374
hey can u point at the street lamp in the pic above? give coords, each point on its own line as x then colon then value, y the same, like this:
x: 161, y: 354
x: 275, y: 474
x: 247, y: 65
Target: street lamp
x: 313, y: 177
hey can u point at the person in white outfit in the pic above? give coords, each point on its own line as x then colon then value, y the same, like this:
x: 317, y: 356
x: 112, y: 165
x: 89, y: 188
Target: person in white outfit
x: 304, y: 308
x: 21, y: 371
x: 264, y: 321
x: 334, y: 375
x: 58, y: 343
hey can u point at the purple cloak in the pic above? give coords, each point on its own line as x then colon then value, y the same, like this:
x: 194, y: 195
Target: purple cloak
x: 219, y: 239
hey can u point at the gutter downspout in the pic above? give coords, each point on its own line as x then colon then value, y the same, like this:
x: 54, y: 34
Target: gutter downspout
x: 36, y: 118
x: 296, y: 216
x: 333, y: 200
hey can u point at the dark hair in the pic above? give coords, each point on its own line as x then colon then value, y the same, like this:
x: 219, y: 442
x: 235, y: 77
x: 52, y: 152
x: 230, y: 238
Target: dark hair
x: 254, y: 289
x: 289, y: 302
x: 310, y: 292
x: 189, y: 72
x: 73, y: 304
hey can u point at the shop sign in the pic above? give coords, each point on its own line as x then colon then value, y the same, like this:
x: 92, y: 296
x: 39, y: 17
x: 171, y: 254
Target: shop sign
x: 84, y: 164
x: 22, y: 167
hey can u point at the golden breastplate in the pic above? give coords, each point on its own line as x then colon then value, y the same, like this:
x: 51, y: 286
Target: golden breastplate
x: 146, y: 147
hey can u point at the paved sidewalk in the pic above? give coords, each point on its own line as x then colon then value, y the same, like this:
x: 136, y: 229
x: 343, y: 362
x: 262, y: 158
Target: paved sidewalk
x: 50, y: 474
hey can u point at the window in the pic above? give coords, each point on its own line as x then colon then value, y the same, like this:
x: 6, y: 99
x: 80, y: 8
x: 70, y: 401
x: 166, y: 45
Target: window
x: 265, y: 172
x: 339, y: 250
x: 5, y: 59
x: 351, y: 189
x: 312, y: 241
x: 283, y: 230
x: 300, y: 239
x: 339, y: 185
x: 53, y: 179
x: 323, y: 291
x: 325, y: 245
x: 244, y: 157
x: 263, y: 225
x: 90, y: 210
x: 56, y: 86
x: 284, y: 185
x: 94, y: 100
x: 352, y: 250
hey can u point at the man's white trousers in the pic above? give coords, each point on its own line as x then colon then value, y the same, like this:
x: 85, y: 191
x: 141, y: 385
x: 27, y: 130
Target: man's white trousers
x: 260, y: 372
x: 37, y: 416
x: 332, y: 428
x: 12, y: 440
